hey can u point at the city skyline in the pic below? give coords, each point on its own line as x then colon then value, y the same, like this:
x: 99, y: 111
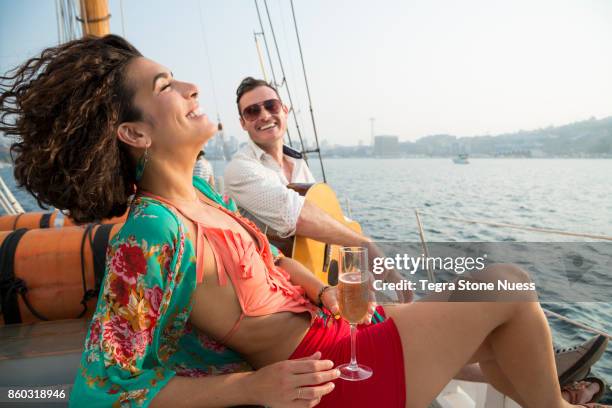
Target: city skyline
x: 419, y: 68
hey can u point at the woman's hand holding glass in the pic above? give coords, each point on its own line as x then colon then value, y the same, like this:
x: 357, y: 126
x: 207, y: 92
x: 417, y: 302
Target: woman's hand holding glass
x: 329, y: 298
x: 390, y: 275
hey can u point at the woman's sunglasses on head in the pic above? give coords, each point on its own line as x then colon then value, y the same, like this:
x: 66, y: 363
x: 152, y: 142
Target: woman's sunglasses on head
x: 252, y: 112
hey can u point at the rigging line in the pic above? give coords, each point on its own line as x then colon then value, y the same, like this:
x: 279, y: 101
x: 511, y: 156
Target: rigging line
x: 263, y: 34
x: 291, y: 64
x: 210, y: 71
x: 74, y: 26
x: 314, y: 127
x: 501, y: 225
x: 521, y: 227
x: 122, y: 18
x: 84, y: 16
x: 298, y: 109
x: 548, y: 312
x: 280, y: 62
x: 62, y: 17
x: 68, y: 20
x: 73, y: 15
x: 57, y: 17
x: 266, y: 45
x: 261, y: 62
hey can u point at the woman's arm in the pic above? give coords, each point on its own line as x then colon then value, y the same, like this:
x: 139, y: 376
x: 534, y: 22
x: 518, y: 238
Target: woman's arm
x: 300, y: 275
x: 279, y: 384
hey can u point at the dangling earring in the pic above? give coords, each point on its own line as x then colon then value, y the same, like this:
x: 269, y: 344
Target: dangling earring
x: 142, y: 162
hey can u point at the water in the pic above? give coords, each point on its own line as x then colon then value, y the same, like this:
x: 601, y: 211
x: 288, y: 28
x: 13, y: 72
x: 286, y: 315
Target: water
x: 566, y: 194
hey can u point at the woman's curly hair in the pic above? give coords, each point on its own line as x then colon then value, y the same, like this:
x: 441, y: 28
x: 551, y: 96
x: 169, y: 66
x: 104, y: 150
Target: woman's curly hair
x: 64, y: 108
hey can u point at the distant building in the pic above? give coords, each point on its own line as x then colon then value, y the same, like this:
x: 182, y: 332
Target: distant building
x: 230, y: 146
x: 386, y: 146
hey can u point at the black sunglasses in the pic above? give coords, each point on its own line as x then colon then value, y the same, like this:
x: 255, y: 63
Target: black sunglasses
x: 252, y: 112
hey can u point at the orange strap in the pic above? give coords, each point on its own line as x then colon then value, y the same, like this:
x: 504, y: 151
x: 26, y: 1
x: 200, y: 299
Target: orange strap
x: 232, y: 330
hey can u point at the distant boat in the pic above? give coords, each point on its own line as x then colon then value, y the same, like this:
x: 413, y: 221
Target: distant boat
x: 47, y: 354
x: 461, y: 159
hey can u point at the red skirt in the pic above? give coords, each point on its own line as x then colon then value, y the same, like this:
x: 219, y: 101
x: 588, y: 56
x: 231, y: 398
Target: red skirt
x: 378, y: 346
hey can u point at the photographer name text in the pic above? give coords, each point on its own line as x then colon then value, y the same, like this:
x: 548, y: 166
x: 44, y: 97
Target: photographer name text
x: 461, y: 284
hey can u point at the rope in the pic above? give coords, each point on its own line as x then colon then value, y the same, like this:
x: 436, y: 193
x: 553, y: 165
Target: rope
x: 16, y: 220
x: 544, y: 230
x: 73, y: 27
x: 548, y: 312
x: 95, y: 20
x: 122, y: 18
x: 269, y: 58
x: 521, y: 227
x: 266, y: 44
x: 314, y: 126
x: 59, y: 22
x: 85, y: 18
x: 280, y: 62
x: 261, y: 62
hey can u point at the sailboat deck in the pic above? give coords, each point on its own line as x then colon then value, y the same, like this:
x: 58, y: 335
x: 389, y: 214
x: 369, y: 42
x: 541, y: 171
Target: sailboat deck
x: 46, y: 353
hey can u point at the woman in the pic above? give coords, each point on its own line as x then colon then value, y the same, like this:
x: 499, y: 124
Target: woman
x: 192, y: 289
x: 203, y: 169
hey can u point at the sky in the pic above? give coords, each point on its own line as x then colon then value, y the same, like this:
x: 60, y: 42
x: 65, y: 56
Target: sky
x: 418, y: 67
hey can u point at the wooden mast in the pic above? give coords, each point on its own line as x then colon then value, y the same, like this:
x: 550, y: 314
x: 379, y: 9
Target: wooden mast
x: 95, y: 17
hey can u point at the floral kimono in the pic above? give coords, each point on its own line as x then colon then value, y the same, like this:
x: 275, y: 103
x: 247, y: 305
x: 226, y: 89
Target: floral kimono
x: 139, y: 337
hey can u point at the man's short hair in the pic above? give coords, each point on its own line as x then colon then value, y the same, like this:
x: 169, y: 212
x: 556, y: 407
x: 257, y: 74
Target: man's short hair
x: 248, y: 84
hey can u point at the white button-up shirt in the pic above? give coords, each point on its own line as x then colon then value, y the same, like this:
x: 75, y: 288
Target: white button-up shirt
x: 258, y: 184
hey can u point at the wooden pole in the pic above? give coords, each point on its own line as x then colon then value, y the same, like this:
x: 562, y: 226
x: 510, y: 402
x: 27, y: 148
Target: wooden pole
x: 95, y: 17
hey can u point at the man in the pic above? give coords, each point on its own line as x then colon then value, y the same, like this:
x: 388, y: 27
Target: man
x: 258, y: 175
x: 257, y: 179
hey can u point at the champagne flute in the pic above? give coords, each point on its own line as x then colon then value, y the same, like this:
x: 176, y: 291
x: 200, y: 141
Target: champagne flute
x: 353, y: 299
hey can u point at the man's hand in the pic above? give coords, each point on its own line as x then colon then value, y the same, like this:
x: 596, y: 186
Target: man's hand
x: 389, y: 275
x: 403, y: 296
x: 291, y: 383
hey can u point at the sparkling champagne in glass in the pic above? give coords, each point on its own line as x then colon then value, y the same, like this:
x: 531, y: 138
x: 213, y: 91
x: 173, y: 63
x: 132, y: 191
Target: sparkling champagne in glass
x: 353, y: 298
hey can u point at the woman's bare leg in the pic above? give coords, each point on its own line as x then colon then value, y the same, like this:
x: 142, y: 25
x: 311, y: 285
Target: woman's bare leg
x: 496, y: 377
x: 489, y: 372
x: 439, y: 338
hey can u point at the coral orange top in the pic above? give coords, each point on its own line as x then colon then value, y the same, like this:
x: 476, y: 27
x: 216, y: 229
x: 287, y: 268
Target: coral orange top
x: 242, y: 254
